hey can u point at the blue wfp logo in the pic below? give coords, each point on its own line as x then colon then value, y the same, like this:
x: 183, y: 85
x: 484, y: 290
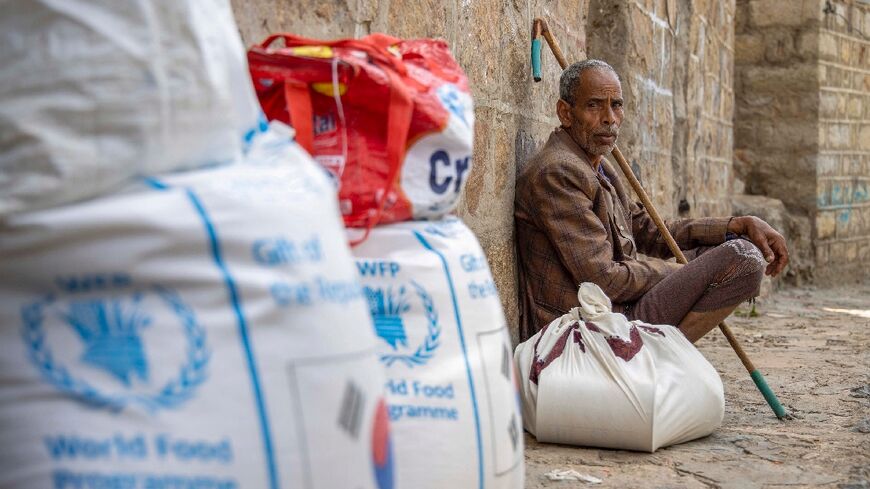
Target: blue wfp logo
x: 387, y: 306
x: 110, y: 331
x: 94, y: 347
x: 390, y: 306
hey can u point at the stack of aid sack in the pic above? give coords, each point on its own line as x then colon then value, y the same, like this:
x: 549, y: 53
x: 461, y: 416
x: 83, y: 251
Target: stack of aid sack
x: 178, y: 303
x: 393, y: 122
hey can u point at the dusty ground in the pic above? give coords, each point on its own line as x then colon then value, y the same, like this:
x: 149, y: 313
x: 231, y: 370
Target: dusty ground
x: 813, y: 345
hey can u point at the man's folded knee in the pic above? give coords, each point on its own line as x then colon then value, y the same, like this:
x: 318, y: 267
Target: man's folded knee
x: 747, y: 254
x: 743, y: 262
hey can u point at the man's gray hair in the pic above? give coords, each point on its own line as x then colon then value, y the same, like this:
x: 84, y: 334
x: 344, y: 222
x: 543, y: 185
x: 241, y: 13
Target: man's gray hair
x: 570, y: 79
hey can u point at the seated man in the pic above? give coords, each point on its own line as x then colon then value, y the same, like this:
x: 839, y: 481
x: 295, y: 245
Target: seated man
x: 575, y: 223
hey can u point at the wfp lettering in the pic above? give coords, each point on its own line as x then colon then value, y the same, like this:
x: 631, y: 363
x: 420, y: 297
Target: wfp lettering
x: 377, y: 268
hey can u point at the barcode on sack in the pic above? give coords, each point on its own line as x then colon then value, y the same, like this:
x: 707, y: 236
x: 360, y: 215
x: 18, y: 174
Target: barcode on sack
x: 350, y: 414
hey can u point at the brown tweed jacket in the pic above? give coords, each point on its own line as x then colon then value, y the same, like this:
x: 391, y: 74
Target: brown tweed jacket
x: 574, y: 225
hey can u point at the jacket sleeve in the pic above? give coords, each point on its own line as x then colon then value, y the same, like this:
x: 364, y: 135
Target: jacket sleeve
x: 688, y: 233
x: 565, y: 213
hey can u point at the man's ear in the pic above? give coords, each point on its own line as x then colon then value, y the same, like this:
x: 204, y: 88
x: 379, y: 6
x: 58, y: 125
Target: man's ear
x: 563, y: 110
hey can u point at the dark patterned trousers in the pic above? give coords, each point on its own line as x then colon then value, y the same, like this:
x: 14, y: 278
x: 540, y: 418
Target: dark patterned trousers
x: 715, y: 277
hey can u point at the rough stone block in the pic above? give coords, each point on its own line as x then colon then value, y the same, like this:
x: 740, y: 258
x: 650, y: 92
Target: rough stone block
x: 834, y: 77
x: 808, y: 44
x: 419, y: 18
x: 642, y: 39
x: 797, y: 78
x: 855, y: 107
x: 842, y: 105
x: 779, y: 44
x: 860, y: 221
x: 836, y: 136
x: 828, y: 102
x: 864, y: 136
x: 826, y: 224
x: 828, y: 165
x: 822, y: 255
x: 845, y: 52
x: 837, y: 251
x: 777, y: 12
x: 742, y: 21
x: 794, y: 134
x: 852, y: 251
x: 312, y: 18
x: 844, y: 228
x: 659, y: 9
x: 749, y: 48
x: 828, y: 49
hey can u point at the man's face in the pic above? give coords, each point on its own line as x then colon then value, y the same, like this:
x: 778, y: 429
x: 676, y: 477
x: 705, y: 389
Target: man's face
x: 593, y: 121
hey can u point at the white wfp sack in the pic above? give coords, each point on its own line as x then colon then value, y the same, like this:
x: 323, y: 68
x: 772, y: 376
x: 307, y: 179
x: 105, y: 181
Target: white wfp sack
x: 593, y: 378
x: 94, y: 92
x: 205, y: 332
x: 451, y: 382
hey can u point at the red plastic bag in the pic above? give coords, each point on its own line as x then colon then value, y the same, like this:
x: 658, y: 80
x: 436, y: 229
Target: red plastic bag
x: 391, y: 119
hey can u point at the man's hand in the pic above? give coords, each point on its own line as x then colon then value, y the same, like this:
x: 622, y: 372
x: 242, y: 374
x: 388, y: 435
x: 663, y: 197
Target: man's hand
x: 762, y: 235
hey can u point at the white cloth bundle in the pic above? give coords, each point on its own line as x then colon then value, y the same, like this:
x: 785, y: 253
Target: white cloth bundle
x: 593, y: 378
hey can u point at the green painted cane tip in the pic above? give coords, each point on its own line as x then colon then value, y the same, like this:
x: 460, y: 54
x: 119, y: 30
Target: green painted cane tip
x: 768, y: 394
x: 536, y: 59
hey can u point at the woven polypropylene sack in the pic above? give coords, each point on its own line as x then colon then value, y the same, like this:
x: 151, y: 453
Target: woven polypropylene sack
x: 593, y: 378
x: 95, y: 93
x: 206, y: 329
x: 451, y: 381
x: 392, y: 119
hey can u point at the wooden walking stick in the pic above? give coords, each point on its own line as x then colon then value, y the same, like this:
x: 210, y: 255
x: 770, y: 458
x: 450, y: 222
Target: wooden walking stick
x: 539, y: 27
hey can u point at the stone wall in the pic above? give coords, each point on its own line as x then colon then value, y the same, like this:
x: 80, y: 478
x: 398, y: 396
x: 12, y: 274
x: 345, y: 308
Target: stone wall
x: 776, y: 138
x: 676, y: 61
x: 709, y: 92
x: 675, y: 58
x: 803, y: 90
x: 491, y: 39
x: 636, y: 37
x: 776, y: 116
x: 843, y: 187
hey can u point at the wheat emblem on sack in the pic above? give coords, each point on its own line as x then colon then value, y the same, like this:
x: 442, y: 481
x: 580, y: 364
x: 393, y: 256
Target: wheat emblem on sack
x: 110, y: 331
x: 388, y: 306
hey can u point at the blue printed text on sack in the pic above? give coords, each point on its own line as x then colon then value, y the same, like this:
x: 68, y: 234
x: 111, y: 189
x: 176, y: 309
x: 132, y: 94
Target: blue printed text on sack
x: 472, y: 263
x: 399, y: 411
x: 280, y: 251
x: 93, y: 282
x: 444, y: 170
x: 378, y: 268
x: 138, y: 447
x: 401, y: 387
x: 67, y: 479
x: 482, y: 290
x: 318, y: 290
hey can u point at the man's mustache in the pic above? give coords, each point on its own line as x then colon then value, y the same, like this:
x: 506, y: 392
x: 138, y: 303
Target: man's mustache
x: 608, y: 131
